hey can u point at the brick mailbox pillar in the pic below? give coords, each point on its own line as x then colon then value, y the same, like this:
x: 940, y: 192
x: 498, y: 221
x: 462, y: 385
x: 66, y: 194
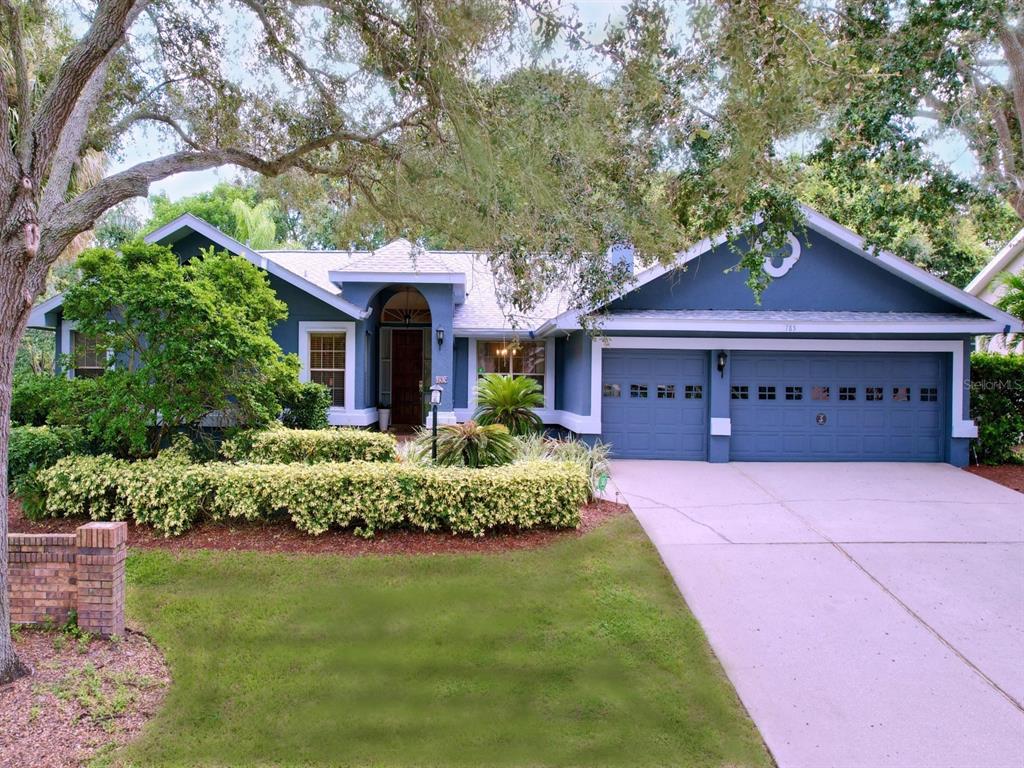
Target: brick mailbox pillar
x: 52, y: 574
x: 99, y: 569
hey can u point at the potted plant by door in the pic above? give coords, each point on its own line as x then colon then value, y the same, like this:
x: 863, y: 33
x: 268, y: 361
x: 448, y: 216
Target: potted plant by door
x: 383, y: 416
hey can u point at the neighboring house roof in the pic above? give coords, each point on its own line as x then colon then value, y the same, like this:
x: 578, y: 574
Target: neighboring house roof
x: 481, y: 310
x: 1009, y: 259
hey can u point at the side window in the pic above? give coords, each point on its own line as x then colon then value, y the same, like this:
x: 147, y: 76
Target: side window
x: 820, y: 393
x: 638, y: 391
x: 740, y: 392
x: 612, y: 390
x: 794, y: 393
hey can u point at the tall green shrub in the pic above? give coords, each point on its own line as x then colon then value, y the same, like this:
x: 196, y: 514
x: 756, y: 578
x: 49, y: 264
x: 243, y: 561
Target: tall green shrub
x: 33, y: 448
x: 305, y: 406
x: 35, y: 394
x: 997, y: 405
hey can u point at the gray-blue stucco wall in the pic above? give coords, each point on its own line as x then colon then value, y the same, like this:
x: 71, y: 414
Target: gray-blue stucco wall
x: 572, y: 373
x: 826, y: 278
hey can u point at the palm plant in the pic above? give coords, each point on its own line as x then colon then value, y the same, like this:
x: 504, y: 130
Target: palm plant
x: 509, y: 402
x: 471, y: 445
x: 1012, y: 300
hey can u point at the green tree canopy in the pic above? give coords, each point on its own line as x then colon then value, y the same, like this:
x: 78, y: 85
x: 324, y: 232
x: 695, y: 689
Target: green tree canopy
x: 187, y: 340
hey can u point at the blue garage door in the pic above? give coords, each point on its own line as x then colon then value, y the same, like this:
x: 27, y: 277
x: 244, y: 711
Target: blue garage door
x: 838, y: 407
x: 654, y: 403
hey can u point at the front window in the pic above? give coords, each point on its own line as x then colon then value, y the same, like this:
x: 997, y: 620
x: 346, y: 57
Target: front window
x: 525, y: 358
x: 327, y: 364
x: 90, y: 359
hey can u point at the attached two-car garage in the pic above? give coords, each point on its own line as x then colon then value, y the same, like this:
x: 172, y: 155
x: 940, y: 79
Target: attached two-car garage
x: 782, y: 406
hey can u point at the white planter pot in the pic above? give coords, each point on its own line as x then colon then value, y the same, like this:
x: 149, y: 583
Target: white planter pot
x: 383, y: 419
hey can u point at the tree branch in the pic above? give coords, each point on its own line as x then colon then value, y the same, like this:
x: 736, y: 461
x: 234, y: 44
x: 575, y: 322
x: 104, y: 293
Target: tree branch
x: 24, y: 146
x: 1015, y: 58
x: 105, y: 34
x: 69, y: 144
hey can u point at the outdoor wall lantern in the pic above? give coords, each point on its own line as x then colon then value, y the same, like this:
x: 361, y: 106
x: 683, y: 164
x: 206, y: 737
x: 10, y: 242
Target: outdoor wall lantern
x: 435, y: 400
x: 440, y: 336
x: 722, y: 357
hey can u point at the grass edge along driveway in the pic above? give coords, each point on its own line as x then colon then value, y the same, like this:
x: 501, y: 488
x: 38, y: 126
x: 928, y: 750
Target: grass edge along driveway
x: 579, y: 653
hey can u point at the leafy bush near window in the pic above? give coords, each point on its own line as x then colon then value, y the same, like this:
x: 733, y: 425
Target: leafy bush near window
x: 171, y: 495
x: 33, y: 448
x: 305, y: 406
x: 287, y: 446
x: 34, y: 396
x: 997, y: 406
x: 471, y: 445
x: 509, y: 401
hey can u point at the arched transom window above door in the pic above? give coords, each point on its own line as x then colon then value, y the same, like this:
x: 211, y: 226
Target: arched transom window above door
x: 406, y: 307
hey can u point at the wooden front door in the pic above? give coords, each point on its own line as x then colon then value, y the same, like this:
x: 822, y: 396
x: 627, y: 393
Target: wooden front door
x: 407, y: 376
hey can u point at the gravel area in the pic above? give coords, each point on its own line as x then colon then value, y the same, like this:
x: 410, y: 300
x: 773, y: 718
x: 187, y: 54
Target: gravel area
x: 284, y: 537
x: 1010, y: 475
x: 82, y: 700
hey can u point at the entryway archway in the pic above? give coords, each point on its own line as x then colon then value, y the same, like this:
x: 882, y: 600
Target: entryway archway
x: 404, y: 355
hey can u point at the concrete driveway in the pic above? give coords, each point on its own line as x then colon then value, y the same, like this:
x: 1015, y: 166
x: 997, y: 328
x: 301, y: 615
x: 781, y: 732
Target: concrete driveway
x: 868, y: 614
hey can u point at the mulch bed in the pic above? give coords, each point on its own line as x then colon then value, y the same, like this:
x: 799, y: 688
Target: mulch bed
x: 82, y: 699
x: 1010, y: 475
x: 284, y: 537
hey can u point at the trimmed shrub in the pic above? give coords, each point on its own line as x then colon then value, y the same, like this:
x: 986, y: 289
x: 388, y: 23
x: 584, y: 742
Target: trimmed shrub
x: 34, y: 395
x: 369, y: 496
x: 33, y: 448
x: 593, y: 459
x: 305, y: 406
x: 997, y: 405
x: 309, y: 446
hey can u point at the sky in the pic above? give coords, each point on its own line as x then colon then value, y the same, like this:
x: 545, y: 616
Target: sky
x: 950, y: 147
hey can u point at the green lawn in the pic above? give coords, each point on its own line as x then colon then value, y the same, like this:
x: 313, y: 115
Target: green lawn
x: 581, y: 653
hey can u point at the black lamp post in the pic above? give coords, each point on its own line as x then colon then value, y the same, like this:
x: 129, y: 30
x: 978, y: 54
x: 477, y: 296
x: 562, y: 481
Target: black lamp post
x: 435, y: 400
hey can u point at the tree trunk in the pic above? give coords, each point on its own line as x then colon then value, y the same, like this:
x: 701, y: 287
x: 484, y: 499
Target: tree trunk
x: 13, y: 318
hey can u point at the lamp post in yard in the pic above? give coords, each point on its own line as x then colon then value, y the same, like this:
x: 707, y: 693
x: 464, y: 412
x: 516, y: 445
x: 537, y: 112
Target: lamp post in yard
x: 435, y: 400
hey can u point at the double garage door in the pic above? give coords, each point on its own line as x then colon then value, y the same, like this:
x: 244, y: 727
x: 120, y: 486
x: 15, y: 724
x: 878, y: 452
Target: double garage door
x: 783, y: 406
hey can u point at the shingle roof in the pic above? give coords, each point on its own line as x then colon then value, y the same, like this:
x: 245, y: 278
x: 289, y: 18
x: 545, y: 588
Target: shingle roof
x: 482, y: 310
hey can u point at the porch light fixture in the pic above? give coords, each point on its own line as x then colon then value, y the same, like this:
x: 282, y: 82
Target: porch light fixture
x: 722, y: 357
x: 440, y: 336
x: 435, y: 400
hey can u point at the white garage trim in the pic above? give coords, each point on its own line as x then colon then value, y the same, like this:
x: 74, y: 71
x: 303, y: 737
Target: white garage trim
x: 961, y: 427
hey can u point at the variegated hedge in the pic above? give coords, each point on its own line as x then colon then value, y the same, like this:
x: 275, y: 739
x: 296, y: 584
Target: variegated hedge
x: 285, y: 446
x: 172, y: 495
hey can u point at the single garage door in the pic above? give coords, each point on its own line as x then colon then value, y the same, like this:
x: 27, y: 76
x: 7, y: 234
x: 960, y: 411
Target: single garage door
x: 654, y: 403
x: 838, y: 406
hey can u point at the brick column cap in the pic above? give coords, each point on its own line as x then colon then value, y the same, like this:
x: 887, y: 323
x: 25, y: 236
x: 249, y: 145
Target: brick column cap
x: 102, y: 535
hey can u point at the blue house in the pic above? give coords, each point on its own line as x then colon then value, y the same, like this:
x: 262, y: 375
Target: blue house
x: 850, y: 356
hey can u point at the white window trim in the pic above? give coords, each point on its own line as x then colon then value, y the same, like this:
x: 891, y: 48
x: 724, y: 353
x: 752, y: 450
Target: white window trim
x: 335, y: 414
x: 66, y: 327
x: 549, y: 372
x: 548, y: 413
x: 961, y: 427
